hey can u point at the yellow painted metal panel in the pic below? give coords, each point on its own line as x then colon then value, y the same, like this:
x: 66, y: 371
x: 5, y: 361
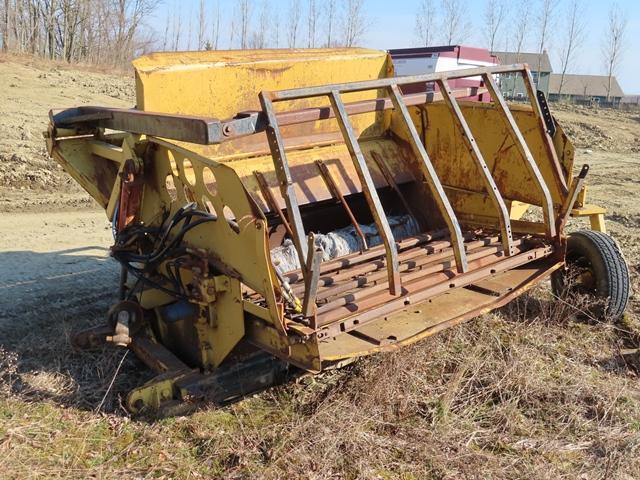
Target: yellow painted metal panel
x: 221, y: 83
x: 454, y: 164
x: 220, y: 332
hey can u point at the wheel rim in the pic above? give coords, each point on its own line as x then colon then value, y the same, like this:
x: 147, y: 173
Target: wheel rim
x: 581, y: 277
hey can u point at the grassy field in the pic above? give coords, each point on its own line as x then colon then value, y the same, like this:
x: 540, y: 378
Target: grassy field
x: 527, y: 392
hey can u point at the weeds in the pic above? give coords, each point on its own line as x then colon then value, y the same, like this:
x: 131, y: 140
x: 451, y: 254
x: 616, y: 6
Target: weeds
x: 536, y: 389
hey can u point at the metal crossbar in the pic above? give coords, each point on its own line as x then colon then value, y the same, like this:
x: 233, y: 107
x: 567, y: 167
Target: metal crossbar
x: 433, y: 181
x: 370, y: 192
x: 276, y: 144
x: 523, y: 148
x: 341, y: 112
x: 306, y: 92
x: 485, y: 174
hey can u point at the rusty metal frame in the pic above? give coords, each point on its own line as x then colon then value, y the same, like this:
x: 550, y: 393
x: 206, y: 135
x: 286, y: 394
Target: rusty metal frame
x: 337, y: 194
x: 283, y: 173
x: 340, y: 111
x: 323, y: 90
x: 344, y: 319
x: 523, y: 148
x: 369, y: 190
x: 483, y: 169
x: 370, y: 272
x: 368, y: 281
x: 429, y: 172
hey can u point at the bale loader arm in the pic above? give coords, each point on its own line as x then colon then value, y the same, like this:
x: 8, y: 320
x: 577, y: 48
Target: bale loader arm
x: 200, y: 205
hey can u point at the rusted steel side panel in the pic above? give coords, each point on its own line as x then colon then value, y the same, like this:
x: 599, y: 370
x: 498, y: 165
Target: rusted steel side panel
x: 421, y: 320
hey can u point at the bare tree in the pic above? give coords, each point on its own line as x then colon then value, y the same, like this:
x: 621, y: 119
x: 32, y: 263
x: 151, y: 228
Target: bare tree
x: 244, y: 20
x: 426, y: 22
x: 613, y: 43
x: 33, y: 12
x: 494, y: 16
x: 5, y: 26
x: 573, y: 37
x: 455, y: 24
x: 202, y: 21
x: 108, y: 32
x: 215, y: 26
x: 295, y: 12
x: 521, y: 26
x: 330, y: 13
x: 355, y: 22
x: 312, y: 20
x: 130, y: 15
x: 165, y: 37
x: 189, y: 28
x: 232, y: 31
x: 275, y: 33
x: 544, y: 19
x: 177, y: 25
x: 259, y: 36
x: 50, y: 10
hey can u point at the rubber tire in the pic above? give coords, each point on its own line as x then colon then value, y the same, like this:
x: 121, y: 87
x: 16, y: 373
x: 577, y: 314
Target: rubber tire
x: 608, y: 267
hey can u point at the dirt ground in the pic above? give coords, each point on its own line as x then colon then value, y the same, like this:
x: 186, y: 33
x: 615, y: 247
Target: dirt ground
x: 529, y: 391
x: 29, y: 89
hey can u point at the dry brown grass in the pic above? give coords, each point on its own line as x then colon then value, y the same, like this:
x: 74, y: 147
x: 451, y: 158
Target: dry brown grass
x: 530, y: 391
x: 44, y: 63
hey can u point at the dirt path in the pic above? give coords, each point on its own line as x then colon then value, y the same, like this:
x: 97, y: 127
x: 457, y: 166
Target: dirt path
x: 54, y: 262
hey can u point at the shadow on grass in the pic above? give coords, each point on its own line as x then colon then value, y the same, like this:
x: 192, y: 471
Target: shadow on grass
x: 44, y: 298
x: 541, y: 305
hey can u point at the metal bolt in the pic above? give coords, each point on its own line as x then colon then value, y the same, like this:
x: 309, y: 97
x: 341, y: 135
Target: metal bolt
x: 227, y: 130
x: 123, y: 317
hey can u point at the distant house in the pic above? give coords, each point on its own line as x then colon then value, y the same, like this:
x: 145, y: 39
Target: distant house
x: 631, y: 100
x: 512, y: 85
x: 585, y: 89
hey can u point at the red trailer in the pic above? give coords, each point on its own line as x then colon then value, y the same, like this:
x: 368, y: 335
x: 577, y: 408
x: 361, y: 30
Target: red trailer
x: 421, y: 60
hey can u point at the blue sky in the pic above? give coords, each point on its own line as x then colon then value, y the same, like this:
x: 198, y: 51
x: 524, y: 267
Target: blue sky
x: 392, y: 26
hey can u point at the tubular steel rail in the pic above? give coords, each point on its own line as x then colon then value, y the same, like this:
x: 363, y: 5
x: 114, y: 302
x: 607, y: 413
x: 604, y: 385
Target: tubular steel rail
x: 340, y: 111
x: 204, y: 130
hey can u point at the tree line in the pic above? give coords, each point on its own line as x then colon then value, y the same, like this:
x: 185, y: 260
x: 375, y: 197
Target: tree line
x: 107, y: 32
x: 112, y: 32
x: 559, y: 26
x: 260, y: 24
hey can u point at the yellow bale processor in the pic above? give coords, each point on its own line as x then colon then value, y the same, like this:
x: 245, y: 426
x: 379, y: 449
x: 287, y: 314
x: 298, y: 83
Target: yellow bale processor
x: 282, y: 211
